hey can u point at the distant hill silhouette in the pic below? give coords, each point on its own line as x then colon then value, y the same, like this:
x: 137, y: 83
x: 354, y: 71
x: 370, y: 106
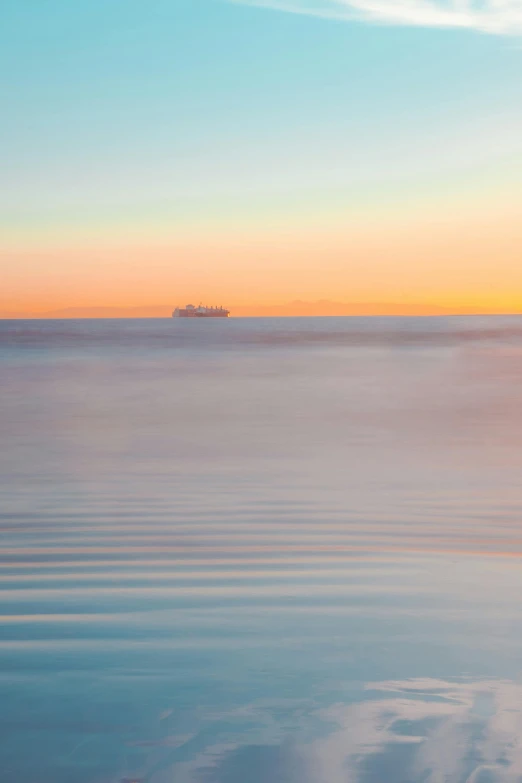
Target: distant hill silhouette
x: 154, y: 311
x: 327, y: 307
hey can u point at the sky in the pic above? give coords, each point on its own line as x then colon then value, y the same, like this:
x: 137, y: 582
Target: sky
x: 256, y: 153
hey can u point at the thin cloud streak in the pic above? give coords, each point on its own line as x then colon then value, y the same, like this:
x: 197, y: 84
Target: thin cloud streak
x: 500, y: 17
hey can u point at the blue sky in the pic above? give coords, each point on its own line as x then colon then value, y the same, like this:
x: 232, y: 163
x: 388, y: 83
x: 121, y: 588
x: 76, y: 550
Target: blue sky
x: 120, y: 113
x: 193, y: 97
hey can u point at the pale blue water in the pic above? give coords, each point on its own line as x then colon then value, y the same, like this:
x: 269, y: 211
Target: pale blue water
x: 261, y: 551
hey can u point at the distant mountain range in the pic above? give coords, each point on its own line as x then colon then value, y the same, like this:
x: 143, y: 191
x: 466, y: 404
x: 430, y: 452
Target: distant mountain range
x: 154, y: 311
x: 328, y: 307
x: 297, y: 308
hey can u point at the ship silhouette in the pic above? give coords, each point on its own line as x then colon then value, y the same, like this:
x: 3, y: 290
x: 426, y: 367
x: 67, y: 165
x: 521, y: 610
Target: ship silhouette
x: 189, y: 311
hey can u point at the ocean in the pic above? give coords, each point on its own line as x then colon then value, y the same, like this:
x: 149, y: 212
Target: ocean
x: 261, y: 550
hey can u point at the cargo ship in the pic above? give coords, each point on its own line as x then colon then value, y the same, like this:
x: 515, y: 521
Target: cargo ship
x: 189, y: 311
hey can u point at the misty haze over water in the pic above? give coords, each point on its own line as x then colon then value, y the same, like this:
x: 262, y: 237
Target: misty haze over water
x: 261, y: 550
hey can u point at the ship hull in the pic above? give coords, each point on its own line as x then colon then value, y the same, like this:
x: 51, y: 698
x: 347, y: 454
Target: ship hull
x: 191, y: 314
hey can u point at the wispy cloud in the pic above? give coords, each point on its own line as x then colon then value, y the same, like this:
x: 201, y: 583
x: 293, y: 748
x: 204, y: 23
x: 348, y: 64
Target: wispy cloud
x: 501, y: 17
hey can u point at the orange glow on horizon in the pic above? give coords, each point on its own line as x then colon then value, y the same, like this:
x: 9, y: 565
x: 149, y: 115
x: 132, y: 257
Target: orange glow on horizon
x: 423, y: 264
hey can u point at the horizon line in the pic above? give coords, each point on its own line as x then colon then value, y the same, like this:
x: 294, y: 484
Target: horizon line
x: 322, y: 308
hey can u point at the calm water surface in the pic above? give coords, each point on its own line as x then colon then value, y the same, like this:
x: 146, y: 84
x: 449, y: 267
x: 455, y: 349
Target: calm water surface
x: 261, y: 551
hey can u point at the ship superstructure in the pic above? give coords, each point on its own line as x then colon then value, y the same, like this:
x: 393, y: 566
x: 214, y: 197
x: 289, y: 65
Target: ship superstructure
x: 190, y: 311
